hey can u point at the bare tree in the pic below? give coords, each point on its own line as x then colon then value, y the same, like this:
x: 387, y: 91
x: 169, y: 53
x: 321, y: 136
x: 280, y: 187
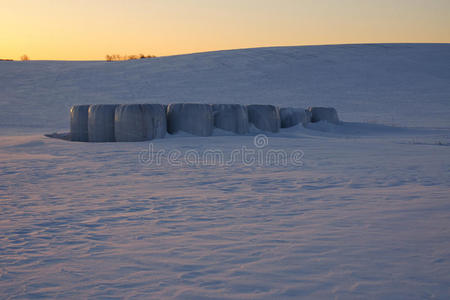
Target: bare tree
x: 118, y: 57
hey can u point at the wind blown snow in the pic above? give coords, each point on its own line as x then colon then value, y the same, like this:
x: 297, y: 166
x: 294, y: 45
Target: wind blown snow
x: 366, y: 214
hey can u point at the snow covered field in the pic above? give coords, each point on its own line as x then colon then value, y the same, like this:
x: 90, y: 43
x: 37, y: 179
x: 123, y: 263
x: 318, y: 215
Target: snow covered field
x: 366, y: 214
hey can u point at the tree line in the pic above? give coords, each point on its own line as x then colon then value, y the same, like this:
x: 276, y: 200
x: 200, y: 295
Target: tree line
x: 118, y: 57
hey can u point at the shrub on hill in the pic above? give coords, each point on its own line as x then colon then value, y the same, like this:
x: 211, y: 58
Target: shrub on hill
x: 118, y: 57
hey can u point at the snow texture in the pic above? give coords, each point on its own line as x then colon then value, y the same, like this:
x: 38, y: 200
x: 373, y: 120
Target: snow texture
x: 101, y: 123
x: 366, y: 216
x: 360, y: 81
x: 328, y: 114
x: 292, y: 116
x: 193, y: 118
x: 79, y: 123
x: 139, y: 122
x: 231, y: 117
x: 264, y: 117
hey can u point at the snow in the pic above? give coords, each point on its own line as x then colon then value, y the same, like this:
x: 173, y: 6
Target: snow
x: 366, y: 214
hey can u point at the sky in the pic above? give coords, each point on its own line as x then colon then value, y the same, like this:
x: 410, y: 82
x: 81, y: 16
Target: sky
x: 90, y: 29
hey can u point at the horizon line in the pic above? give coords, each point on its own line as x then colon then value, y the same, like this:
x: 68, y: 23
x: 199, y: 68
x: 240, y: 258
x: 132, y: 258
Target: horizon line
x: 231, y: 49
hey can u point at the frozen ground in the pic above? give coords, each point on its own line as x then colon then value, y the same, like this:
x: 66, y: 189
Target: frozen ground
x: 367, y: 215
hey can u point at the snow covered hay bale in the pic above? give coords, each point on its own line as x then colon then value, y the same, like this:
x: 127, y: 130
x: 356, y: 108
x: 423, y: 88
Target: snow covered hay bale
x: 139, y: 122
x: 264, y: 117
x: 79, y: 123
x: 231, y: 117
x: 292, y: 116
x: 328, y: 114
x: 196, y: 119
x: 101, y: 123
x: 155, y: 121
x: 129, y: 123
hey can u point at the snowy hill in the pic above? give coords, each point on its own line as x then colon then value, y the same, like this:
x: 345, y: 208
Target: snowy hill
x: 401, y: 84
x: 363, y: 212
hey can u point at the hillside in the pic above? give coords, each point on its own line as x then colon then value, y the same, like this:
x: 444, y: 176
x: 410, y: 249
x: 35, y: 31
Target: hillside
x: 400, y: 84
x: 363, y: 211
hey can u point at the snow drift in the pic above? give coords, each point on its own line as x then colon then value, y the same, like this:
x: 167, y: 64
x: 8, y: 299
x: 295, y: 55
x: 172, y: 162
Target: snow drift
x: 79, y: 123
x: 231, y: 117
x: 101, y: 123
x: 292, y: 116
x: 193, y: 118
x: 264, y: 117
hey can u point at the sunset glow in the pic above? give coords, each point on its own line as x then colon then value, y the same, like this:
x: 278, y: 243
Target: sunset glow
x: 88, y: 30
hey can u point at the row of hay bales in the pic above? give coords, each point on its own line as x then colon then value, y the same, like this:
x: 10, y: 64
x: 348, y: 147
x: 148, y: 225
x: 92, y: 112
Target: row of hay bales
x: 141, y: 122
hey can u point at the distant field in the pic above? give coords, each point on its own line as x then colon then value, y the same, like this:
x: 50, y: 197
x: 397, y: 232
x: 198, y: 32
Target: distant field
x: 366, y: 214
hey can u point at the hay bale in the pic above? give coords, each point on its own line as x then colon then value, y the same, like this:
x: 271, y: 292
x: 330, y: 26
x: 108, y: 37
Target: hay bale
x: 328, y: 114
x: 292, y: 116
x: 193, y: 118
x: 155, y: 121
x: 139, y: 122
x: 231, y: 117
x: 79, y: 123
x: 101, y: 123
x: 129, y: 123
x: 264, y: 117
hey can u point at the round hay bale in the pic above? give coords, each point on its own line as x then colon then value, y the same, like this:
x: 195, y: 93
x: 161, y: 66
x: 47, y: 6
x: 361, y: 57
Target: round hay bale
x: 264, y: 117
x: 155, y: 121
x: 231, y: 117
x: 139, y: 122
x: 129, y: 123
x: 196, y: 119
x: 292, y: 116
x: 79, y: 123
x: 101, y: 123
x: 328, y: 114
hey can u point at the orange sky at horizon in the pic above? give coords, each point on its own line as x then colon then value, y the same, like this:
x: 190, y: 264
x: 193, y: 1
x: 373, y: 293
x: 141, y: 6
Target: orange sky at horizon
x: 88, y: 30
